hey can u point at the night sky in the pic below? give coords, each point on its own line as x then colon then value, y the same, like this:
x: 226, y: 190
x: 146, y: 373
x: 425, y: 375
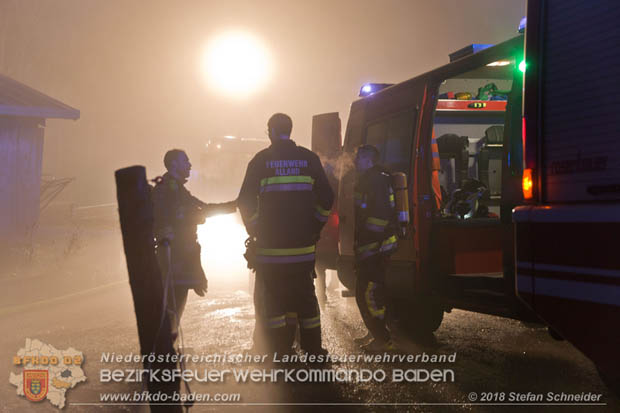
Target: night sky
x: 134, y: 69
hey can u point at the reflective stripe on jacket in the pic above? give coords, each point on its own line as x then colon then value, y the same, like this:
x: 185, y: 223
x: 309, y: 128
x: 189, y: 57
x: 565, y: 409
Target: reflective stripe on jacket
x: 285, y: 200
x: 375, y: 214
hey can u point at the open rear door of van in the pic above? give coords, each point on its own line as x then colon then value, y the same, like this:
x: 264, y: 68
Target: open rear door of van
x: 326, y: 142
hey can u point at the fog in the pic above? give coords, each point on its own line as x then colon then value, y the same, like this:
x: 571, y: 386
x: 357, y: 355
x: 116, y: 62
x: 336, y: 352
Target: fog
x: 133, y: 69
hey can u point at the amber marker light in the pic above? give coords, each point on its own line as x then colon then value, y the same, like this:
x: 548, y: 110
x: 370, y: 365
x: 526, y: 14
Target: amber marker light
x: 528, y: 184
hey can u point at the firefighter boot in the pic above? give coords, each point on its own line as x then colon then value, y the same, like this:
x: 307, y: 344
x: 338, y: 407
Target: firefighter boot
x: 311, y: 341
x: 363, y: 340
x: 379, y: 346
x: 279, y: 340
x: 260, y: 341
x: 292, y: 336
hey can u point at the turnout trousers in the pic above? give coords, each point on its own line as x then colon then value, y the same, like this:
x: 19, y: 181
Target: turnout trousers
x: 260, y: 334
x: 370, y: 295
x: 290, y: 299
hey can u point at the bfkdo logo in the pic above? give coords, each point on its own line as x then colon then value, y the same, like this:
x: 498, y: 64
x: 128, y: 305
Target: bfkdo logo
x: 36, y: 384
x: 47, y: 373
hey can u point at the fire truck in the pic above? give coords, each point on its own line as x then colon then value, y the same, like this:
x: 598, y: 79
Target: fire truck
x: 567, y: 260
x: 229, y: 154
x: 455, y: 132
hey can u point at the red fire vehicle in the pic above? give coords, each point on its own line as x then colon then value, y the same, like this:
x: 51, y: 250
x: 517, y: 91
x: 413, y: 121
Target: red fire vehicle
x: 455, y: 132
x: 567, y: 260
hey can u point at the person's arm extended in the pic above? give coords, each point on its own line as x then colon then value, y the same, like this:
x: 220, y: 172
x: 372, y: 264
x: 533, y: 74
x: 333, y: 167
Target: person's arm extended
x: 210, y: 210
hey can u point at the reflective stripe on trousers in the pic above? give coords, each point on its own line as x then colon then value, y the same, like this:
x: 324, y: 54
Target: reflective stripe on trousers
x: 313, y: 322
x: 285, y: 255
x: 375, y: 311
x: 291, y: 318
x: 276, y: 322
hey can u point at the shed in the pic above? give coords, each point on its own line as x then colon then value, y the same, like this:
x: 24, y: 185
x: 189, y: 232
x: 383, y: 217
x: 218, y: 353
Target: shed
x: 23, y: 112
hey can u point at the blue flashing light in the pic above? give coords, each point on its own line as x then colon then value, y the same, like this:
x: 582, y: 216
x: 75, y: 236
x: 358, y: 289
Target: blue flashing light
x: 522, y: 25
x: 479, y: 47
x: 468, y: 51
x: 371, y: 88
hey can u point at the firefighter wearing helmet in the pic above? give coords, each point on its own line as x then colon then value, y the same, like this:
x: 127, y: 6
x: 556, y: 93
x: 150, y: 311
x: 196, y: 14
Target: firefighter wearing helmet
x: 284, y: 201
x: 375, y: 240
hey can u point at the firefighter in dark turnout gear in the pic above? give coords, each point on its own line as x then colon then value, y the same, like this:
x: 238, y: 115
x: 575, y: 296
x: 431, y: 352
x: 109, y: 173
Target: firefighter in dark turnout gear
x: 176, y: 214
x: 284, y: 201
x: 375, y: 241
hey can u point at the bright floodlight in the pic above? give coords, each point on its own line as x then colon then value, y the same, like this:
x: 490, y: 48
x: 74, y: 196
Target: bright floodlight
x: 367, y: 89
x: 236, y: 64
x: 222, y: 239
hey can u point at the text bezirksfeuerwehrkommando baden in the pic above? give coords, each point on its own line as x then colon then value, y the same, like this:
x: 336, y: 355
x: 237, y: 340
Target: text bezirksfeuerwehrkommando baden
x: 290, y: 375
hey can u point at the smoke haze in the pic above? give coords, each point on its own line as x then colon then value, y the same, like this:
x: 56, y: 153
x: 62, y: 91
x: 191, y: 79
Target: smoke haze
x: 133, y: 68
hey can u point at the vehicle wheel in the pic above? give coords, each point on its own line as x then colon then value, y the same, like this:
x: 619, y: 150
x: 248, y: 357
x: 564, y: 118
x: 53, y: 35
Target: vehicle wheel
x: 420, y: 318
x: 347, y: 278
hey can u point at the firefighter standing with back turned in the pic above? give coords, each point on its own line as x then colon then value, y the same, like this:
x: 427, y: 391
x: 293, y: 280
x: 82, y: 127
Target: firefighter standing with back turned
x: 375, y: 239
x: 284, y: 202
x: 176, y: 214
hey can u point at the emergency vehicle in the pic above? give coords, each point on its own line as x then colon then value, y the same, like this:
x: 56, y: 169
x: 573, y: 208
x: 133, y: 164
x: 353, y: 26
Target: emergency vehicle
x: 455, y: 132
x: 567, y: 260
x: 223, y: 163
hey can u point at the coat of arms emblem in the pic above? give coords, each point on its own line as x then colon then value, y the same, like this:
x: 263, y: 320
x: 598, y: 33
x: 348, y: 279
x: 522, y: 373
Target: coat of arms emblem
x: 35, y: 384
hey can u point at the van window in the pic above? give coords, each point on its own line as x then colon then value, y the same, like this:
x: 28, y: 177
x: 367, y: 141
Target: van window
x: 469, y: 131
x: 393, y: 136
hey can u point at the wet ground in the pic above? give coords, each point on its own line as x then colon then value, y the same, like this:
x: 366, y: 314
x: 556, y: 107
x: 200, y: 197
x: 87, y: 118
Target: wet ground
x: 73, y: 299
x: 494, y: 356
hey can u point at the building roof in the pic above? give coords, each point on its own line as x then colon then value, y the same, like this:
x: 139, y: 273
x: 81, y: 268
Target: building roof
x: 17, y: 99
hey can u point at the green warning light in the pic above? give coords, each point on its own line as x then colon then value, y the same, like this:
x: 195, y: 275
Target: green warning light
x: 522, y: 66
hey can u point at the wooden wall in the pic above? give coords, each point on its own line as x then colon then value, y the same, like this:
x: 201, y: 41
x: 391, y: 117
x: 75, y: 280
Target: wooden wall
x: 21, y: 151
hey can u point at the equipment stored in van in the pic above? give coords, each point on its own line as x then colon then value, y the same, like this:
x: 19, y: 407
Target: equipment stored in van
x: 456, y: 179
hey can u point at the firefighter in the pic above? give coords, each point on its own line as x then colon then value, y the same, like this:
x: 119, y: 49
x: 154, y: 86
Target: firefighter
x: 176, y: 214
x: 375, y: 240
x: 283, y: 201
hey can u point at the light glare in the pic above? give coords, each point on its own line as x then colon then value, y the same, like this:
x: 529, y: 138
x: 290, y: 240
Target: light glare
x: 222, y: 239
x: 236, y: 64
x: 500, y: 63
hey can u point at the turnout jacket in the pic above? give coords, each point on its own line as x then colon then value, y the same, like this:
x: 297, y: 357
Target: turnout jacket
x: 285, y: 200
x: 375, y: 214
x: 176, y: 214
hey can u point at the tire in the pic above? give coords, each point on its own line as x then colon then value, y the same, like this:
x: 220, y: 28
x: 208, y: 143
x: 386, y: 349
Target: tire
x: 419, y: 318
